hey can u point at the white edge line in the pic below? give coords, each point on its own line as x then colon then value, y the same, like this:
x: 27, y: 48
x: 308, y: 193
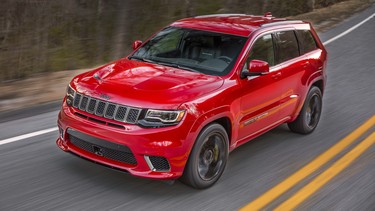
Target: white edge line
x: 28, y: 135
x: 348, y: 30
x: 41, y: 132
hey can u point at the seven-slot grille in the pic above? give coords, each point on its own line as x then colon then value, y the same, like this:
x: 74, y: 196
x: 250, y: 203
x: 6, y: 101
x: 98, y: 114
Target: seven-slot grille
x: 105, y: 109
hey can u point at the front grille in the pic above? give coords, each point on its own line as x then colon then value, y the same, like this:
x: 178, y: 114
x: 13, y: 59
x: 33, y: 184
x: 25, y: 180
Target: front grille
x: 91, y: 107
x: 120, y: 114
x: 100, y: 109
x: 83, y: 104
x: 110, y: 111
x: 77, y: 99
x: 105, y: 109
x: 101, y: 147
x: 133, y: 115
x: 159, y: 163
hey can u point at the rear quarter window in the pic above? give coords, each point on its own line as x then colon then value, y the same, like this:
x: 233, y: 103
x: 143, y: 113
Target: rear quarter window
x: 306, y: 41
x: 287, y: 46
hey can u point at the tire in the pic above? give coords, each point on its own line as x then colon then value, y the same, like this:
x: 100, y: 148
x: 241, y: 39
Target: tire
x: 208, y: 158
x: 309, y: 115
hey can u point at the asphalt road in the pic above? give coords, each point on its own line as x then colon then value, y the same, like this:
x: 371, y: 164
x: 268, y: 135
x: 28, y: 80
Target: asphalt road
x: 36, y: 175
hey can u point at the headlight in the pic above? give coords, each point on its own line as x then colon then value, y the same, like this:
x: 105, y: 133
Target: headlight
x: 164, y: 116
x: 70, y: 93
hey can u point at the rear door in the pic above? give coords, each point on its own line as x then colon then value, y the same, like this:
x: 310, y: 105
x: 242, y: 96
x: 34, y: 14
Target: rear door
x: 294, y: 69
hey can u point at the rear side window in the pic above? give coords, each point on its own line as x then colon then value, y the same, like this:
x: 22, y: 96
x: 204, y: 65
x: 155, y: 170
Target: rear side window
x: 287, y: 46
x: 306, y: 41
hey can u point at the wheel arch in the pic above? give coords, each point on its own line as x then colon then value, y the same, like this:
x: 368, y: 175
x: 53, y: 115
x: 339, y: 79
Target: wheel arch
x: 227, y: 125
x: 320, y: 84
x: 221, y: 116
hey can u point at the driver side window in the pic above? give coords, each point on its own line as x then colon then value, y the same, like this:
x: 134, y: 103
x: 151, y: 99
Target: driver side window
x: 262, y: 50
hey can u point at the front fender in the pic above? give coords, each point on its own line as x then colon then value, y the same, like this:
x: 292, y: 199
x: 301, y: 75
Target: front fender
x: 208, y: 117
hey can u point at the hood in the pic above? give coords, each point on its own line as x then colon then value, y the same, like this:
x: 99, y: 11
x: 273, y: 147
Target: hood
x: 145, y: 85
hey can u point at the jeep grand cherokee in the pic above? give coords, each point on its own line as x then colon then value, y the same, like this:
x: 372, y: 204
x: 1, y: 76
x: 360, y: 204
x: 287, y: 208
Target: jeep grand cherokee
x: 196, y: 90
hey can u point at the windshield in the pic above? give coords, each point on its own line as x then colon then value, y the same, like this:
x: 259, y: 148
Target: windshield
x: 193, y: 50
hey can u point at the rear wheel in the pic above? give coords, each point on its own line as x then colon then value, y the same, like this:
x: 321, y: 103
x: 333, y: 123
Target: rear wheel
x: 309, y: 116
x: 208, y: 158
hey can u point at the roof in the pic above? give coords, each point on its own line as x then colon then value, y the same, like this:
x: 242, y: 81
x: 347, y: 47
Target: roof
x: 236, y: 24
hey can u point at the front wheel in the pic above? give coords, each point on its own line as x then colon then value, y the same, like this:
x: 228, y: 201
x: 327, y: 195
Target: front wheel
x: 309, y: 115
x: 208, y: 158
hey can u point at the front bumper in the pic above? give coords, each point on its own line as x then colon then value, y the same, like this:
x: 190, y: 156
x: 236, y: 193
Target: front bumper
x: 172, y: 143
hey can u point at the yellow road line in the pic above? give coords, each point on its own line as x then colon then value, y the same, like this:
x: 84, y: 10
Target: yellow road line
x: 327, y: 175
x: 305, y: 171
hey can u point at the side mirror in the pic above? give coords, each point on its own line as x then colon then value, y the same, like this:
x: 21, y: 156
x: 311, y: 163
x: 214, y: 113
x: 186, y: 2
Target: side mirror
x: 137, y: 44
x: 256, y: 68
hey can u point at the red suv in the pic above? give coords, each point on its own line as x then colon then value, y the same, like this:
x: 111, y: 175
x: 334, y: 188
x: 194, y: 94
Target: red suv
x: 193, y: 92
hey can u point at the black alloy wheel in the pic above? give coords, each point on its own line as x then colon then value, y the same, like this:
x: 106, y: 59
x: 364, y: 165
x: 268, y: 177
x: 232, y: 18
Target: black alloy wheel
x: 309, y: 115
x: 313, y: 111
x: 208, y: 157
x: 211, y: 156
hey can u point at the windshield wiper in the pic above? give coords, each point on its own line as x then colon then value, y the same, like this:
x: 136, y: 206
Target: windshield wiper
x: 178, y: 66
x: 141, y: 59
x: 163, y: 63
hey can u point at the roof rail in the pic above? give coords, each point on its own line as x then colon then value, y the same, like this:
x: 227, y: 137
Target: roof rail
x: 281, y: 22
x: 219, y: 15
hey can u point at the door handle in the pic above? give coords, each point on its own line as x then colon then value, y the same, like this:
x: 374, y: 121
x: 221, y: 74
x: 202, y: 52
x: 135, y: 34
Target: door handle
x: 277, y: 75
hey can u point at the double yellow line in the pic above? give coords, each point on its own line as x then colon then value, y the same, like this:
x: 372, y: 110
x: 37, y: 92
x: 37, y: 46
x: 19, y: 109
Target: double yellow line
x: 311, y: 167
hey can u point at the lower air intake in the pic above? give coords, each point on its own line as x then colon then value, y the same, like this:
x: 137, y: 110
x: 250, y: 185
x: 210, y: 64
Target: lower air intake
x: 101, y: 147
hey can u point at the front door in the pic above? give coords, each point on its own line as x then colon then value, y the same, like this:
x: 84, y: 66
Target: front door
x: 260, y: 94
